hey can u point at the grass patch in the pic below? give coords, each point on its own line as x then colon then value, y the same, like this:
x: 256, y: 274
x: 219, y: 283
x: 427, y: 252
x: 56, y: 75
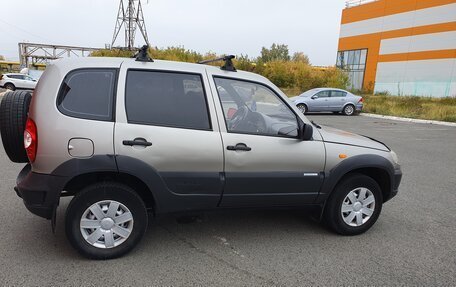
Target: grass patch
x: 439, y: 109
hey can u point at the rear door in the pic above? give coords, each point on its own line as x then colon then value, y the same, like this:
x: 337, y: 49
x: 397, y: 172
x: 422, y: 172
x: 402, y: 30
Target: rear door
x: 165, y: 121
x: 337, y: 100
x: 265, y: 162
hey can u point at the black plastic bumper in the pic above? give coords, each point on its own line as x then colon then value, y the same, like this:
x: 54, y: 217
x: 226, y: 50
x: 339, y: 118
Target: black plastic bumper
x: 40, y: 192
x: 396, y: 182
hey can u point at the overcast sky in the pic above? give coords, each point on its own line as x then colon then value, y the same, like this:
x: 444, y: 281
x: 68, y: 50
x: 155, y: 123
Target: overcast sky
x: 222, y: 26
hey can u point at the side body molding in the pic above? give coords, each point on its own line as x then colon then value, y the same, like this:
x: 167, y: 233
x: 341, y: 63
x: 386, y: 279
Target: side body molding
x: 351, y: 164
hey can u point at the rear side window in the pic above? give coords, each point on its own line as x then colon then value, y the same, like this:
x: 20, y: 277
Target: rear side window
x: 88, y: 94
x: 166, y: 99
x: 338, y: 94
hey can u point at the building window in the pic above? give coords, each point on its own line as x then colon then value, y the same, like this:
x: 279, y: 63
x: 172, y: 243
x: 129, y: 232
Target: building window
x: 354, y: 62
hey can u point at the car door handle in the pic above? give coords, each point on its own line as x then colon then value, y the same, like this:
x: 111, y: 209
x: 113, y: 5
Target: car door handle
x: 239, y: 146
x: 137, y: 142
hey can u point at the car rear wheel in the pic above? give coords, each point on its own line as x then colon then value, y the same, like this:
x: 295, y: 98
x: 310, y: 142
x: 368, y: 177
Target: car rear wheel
x: 13, y: 116
x: 354, y: 206
x: 105, y: 220
x: 349, y: 110
x: 302, y: 108
x: 10, y: 87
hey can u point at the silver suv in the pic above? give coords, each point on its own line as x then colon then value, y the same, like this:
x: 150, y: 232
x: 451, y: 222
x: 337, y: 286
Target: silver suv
x: 129, y: 137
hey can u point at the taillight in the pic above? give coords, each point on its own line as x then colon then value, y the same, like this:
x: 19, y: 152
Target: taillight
x: 30, y: 139
x: 361, y: 100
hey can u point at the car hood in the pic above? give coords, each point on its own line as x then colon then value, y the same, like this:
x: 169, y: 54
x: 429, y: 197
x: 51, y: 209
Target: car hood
x: 342, y: 137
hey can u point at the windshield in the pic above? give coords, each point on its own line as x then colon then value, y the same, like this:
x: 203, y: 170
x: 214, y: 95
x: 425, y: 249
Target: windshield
x: 309, y: 93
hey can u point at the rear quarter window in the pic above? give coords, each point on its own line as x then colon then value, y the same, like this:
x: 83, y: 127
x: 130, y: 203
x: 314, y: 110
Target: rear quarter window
x: 88, y: 94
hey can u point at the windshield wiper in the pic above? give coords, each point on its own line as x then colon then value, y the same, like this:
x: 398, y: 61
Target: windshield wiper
x: 315, y: 124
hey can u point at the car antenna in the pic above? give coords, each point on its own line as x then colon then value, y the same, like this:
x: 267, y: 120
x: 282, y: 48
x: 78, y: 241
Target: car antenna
x: 142, y: 55
x: 228, y: 66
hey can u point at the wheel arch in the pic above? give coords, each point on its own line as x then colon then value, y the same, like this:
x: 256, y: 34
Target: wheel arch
x: 78, y: 182
x: 11, y: 83
x: 374, y: 166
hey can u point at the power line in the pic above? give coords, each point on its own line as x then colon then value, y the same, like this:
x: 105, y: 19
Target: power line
x: 23, y: 30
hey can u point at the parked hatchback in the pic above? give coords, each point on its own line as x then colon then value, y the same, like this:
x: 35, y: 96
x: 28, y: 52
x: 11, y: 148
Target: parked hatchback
x: 129, y: 138
x: 329, y: 100
x: 13, y: 81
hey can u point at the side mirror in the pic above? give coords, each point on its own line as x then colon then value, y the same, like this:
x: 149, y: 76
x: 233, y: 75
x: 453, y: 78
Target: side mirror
x: 314, y: 97
x: 306, y: 132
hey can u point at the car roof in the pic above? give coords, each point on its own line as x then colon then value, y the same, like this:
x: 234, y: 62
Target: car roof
x: 87, y: 62
x: 328, y: 89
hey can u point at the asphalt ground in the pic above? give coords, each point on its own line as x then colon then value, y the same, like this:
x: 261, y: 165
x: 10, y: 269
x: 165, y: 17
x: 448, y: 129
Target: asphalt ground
x: 413, y: 242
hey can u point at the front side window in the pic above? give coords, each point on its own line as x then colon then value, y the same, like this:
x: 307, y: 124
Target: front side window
x: 255, y: 109
x: 322, y: 94
x: 166, y: 99
x: 88, y: 94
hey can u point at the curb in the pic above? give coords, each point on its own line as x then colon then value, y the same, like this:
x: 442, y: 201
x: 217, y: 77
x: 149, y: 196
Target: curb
x: 410, y: 120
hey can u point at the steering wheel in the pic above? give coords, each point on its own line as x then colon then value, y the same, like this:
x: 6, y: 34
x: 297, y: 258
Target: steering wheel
x: 238, y: 117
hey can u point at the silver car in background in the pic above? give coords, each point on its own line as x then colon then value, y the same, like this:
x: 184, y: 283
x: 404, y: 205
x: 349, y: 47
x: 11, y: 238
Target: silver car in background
x: 328, y: 100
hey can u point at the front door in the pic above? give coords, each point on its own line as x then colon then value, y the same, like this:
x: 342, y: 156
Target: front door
x: 319, y: 102
x: 265, y: 162
x: 165, y: 121
x: 337, y: 100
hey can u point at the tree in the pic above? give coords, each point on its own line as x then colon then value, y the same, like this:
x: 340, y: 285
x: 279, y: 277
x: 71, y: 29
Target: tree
x: 301, y: 57
x: 277, y: 52
x: 2, y: 58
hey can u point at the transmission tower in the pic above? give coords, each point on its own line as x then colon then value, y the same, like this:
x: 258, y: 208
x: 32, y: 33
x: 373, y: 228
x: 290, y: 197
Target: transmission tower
x: 131, y: 18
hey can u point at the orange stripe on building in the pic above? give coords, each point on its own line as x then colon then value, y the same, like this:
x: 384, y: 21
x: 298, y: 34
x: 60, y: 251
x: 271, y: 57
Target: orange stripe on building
x: 383, y: 8
x: 417, y: 56
x: 372, y: 43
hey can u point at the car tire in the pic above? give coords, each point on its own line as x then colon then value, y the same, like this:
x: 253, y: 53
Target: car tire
x: 349, y: 110
x: 10, y: 86
x: 97, y: 224
x: 354, y: 205
x: 13, y: 116
x: 303, y: 108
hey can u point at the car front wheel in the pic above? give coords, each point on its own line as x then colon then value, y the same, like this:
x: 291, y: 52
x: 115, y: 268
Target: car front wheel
x: 302, y: 108
x: 354, y: 206
x: 105, y: 220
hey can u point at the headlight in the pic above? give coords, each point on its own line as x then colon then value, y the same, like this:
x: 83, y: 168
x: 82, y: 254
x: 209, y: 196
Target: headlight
x: 395, y: 158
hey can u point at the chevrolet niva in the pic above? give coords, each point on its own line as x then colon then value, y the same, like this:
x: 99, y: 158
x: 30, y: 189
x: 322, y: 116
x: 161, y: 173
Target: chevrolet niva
x: 128, y: 137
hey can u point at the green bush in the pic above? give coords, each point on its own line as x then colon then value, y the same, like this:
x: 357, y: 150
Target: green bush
x: 289, y: 73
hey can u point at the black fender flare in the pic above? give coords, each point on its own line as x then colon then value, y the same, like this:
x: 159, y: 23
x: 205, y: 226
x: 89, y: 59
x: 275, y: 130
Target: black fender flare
x: 165, y: 200
x: 351, y: 164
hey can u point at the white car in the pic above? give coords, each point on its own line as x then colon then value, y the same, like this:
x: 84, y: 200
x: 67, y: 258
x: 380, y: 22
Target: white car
x: 13, y: 81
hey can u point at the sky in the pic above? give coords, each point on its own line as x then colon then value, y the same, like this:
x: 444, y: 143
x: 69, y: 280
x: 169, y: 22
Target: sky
x: 221, y: 26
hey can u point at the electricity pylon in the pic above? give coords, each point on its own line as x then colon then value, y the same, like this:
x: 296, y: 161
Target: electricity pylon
x: 131, y: 18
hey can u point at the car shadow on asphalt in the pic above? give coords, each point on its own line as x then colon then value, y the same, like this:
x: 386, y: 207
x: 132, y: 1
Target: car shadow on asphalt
x: 198, y: 229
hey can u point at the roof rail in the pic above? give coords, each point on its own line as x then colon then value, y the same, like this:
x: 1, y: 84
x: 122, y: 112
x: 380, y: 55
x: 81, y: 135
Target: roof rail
x: 143, y: 54
x: 228, y: 66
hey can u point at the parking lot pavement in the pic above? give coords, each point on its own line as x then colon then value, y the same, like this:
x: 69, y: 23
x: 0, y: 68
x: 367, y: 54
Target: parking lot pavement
x: 413, y: 242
